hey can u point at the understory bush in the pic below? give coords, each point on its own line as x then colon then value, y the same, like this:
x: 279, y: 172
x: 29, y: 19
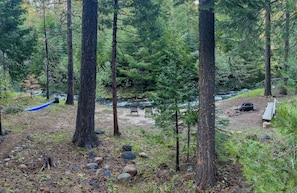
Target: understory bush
x: 269, y: 166
x: 266, y: 166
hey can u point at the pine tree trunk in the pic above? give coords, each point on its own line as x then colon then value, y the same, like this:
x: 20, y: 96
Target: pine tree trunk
x: 177, y: 168
x: 267, y: 51
x: 286, y: 54
x: 114, y: 70
x: 70, y: 91
x: 46, y: 52
x: 84, y: 135
x: 205, y: 174
x: 1, y: 133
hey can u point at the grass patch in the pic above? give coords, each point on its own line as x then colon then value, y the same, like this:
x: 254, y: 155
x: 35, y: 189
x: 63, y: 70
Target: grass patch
x: 57, y: 137
x: 17, y: 129
x: 252, y: 93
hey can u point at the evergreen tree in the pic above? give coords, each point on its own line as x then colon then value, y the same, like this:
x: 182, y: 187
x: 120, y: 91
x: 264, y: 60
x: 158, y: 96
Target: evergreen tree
x: 114, y: 69
x: 70, y: 78
x: 84, y: 135
x: 267, y: 85
x: 17, y: 42
x: 206, y: 172
x: 176, y: 85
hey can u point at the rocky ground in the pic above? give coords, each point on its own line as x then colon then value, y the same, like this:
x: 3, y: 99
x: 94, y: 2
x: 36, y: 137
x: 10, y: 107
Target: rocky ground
x: 38, y: 156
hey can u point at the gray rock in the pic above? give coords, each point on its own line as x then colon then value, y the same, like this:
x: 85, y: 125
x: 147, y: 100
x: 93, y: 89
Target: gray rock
x: 94, y: 184
x: 130, y: 169
x: 67, y: 173
x: 30, y: 138
x: 92, y: 166
x: 99, y: 132
x: 17, y: 149
x: 128, y: 155
x: 91, y: 181
x: 124, y: 177
x: 127, y: 147
x: 106, y: 166
x: 92, y: 155
x: 265, y: 137
x: 107, y: 173
x: 74, y: 167
x: 1, y: 138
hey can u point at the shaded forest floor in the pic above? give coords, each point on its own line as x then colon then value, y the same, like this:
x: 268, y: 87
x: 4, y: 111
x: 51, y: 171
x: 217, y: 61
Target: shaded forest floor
x: 48, y: 133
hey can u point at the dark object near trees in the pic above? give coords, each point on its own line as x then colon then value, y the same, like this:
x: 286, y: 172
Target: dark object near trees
x: 56, y: 100
x: 246, y: 107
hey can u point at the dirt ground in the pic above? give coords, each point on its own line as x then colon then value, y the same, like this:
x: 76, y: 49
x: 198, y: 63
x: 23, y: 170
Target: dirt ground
x: 24, y: 149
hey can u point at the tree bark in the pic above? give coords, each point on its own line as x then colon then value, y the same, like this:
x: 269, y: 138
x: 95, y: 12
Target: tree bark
x: 205, y: 174
x: 177, y: 168
x: 84, y: 135
x: 116, y: 131
x: 286, y: 54
x: 46, y: 52
x: 267, y: 50
x: 70, y: 91
x: 1, y: 133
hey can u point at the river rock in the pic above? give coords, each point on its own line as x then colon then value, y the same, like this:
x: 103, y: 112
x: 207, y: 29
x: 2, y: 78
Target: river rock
x: 128, y: 155
x: 92, y: 155
x: 30, y: 138
x: 74, y: 167
x: 106, y: 166
x: 124, y: 177
x: 92, y: 166
x: 94, y: 184
x: 99, y: 132
x: 127, y: 147
x: 143, y: 154
x: 98, y: 160
x: 265, y: 137
x: 107, y: 173
x: 17, y: 149
x: 130, y: 169
x: 22, y: 166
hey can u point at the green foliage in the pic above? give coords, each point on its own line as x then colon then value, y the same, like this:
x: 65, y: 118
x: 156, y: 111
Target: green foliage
x: 17, y: 41
x: 252, y: 93
x: 270, y: 167
x: 286, y: 119
x: 264, y: 165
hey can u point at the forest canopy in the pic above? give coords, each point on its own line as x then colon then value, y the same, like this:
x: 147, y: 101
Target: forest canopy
x: 151, y: 35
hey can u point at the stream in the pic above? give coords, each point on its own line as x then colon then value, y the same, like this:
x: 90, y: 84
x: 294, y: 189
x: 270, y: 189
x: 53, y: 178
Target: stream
x: 125, y: 103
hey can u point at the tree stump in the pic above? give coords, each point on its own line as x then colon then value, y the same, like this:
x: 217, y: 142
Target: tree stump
x: 47, y: 163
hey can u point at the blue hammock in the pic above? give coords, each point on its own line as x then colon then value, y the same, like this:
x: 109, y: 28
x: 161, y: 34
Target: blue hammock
x: 40, y: 106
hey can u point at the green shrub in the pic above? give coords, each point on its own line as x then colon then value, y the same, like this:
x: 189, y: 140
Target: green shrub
x: 265, y: 166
